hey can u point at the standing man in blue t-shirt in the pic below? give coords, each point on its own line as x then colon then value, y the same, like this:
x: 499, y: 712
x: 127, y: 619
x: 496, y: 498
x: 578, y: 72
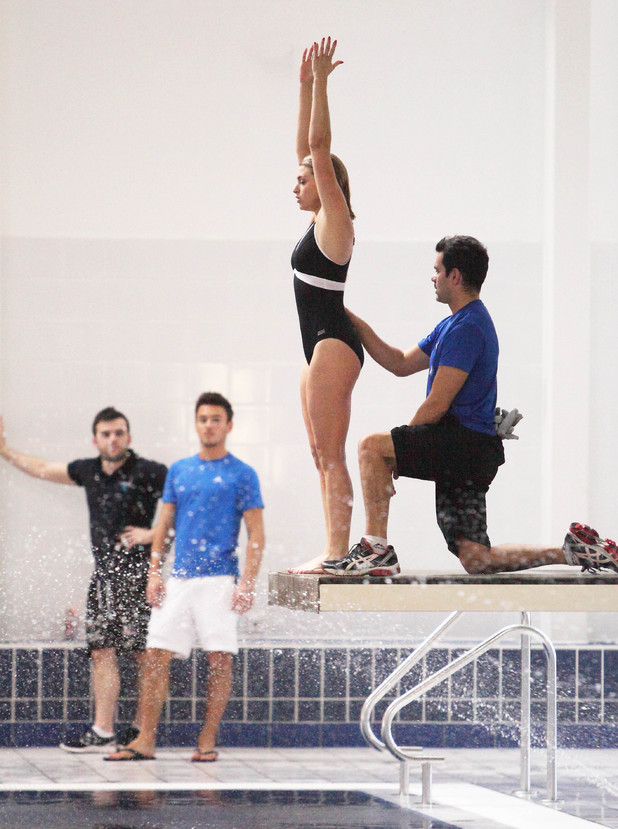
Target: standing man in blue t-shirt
x: 204, y: 500
x: 452, y: 437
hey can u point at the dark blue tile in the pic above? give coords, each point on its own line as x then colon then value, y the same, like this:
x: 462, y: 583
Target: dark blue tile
x: 468, y: 736
x: 6, y: 673
x: 487, y: 710
x: 283, y: 710
x: 611, y: 713
x: 334, y: 710
x: 608, y: 736
x: 538, y: 710
x: 126, y: 712
x: 511, y: 673
x: 360, y: 684
x: 506, y: 737
x: 26, y: 735
x: 79, y: 709
x: 462, y: 682
x: 257, y: 710
x: 234, y: 711
x: 127, y: 668
x: 180, y: 710
x: 26, y: 710
x: 6, y: 735
x: 341, y: 734
x: 566, y: 673
x: 183, y: 734
x: 511, y: 711
x: 26, y: 673
x: 488, y: 674
x: 5, y: 711
x: 580, y: 736
x: 436, y: 710
x: 78, y: 673
x: 52, y: 709
x: 258, y: 672
x: 291, y: 735
x: 379, y: 709
x: 462, y: 711
x: 413, y: 712
x: 52, y: 669
x: 589, y: 712
x: 309, y: 710
x: 428, y: 735
x: 335, y: 672
x: 538, y: 734
x: 434, y: 661
x: 411, y: 678
x: 566, y: 712
x: 385, y: 660
x: 238, y: 675
x: 181, y: 678
x: 610, y: 659
x: 589, y: 684
x: 538, y: 670
x: 309, y: 672
x: 284, y: 672
x: 200, y: 662
x: 245, y: 734
x: 415, y: 670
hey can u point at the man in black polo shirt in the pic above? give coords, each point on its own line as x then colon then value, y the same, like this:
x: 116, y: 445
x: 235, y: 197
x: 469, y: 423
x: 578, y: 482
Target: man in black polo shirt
x: 122, y: 490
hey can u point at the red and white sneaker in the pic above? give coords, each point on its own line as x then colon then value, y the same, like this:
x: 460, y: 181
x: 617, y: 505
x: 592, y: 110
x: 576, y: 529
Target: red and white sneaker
x: 584, y: 547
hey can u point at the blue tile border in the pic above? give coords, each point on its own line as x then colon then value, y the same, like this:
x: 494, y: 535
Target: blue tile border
x: 311, y: 696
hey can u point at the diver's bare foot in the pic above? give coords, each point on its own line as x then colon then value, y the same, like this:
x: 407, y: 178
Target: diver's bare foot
x: 311, y: 567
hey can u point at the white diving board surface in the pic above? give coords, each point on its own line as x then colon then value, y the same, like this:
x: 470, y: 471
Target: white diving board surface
x: 542, y: 589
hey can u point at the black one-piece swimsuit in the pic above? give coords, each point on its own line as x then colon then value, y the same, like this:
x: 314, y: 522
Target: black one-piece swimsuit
x: 319, y: 284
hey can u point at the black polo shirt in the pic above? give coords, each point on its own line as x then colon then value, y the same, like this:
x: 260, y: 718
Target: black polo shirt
x: 128, y: 497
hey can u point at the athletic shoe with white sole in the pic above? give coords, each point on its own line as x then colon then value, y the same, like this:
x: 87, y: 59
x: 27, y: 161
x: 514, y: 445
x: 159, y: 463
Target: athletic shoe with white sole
x: 363, y: 561
x: 584, y: 546
x: 89, y: 743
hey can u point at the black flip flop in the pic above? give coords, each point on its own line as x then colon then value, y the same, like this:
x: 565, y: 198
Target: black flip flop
x: 135, y: 755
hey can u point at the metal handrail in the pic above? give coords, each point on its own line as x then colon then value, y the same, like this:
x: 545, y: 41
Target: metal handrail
x: 458, y: 663
x: 391, y: 680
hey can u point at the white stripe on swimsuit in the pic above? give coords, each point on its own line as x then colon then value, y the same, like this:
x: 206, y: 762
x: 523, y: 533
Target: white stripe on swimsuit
x: 320, y: 282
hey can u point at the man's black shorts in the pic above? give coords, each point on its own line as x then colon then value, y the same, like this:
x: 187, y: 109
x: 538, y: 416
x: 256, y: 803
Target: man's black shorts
x: 117, y: 612
x: 462, y: 462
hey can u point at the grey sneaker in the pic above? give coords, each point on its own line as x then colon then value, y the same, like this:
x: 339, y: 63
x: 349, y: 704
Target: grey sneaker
x: 363, y: 561
x: 89, y: 743
x: 584, y: 547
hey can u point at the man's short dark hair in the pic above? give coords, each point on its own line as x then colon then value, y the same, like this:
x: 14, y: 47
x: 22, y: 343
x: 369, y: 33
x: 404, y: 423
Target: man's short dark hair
x: 213, y: 398
x: 108, y: 413
x: 466, y: 254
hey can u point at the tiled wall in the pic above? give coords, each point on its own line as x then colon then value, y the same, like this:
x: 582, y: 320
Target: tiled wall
x: 313, y: 697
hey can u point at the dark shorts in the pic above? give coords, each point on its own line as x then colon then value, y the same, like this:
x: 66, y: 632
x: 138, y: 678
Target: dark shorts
x: 462, y: 462
x: 117, y: 612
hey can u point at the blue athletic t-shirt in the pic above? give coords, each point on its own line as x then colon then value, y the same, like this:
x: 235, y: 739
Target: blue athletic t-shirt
x: 210, y: 499
x: 467, y: 340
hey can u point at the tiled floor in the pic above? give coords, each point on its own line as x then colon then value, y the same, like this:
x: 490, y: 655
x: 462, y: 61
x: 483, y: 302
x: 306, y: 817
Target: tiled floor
x: 472, y: 789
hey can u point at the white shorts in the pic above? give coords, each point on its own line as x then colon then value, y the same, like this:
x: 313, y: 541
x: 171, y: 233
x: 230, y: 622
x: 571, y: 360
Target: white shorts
x: 195, y: 611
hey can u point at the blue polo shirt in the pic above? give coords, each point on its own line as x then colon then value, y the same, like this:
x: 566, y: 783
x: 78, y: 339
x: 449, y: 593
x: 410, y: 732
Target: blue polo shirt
x: 210, y: 499
x: 467, y: 340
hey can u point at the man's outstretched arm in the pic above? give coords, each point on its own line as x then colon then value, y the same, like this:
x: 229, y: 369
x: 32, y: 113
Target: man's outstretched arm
x: 54, y: 471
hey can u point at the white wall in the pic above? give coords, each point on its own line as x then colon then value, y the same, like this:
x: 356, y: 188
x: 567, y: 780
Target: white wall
x: 147, y: 222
